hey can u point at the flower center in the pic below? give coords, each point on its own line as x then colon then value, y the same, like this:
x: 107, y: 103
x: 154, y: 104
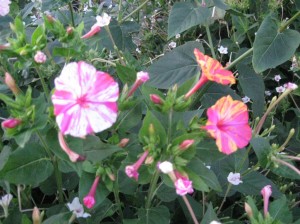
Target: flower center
x: 82, y: 101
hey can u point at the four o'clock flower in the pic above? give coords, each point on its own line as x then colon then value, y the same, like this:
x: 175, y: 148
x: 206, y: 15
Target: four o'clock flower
x: 183, y: 185
x: 141, y: 77
x: 277, y: 78
x: 101, y: 22
x: 89, y: 200
x: 132, y: 170
x: 228, y: 124
x: 290, y: 85
x: 223, y: 50
x: 4, y: 7
x: 84, y: 100
x: 234, y: 178
x: 266, y: 193
x: 73, y: 156
x: 77, y: 209
x: 212, y: 70
x: 4, y: 202
x: 40, y: 57
x: 11, y: 123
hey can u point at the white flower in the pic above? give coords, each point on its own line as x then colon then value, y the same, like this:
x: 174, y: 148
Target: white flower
x: 234, y: 178
x: 77, y: 208
x: 268, y: 93
x: 177, y: 36
x: 246, y: 99
x: 223, y: 50
x: 277, y: 78
x: 215, y: 222
x: 103, y: 20
x: 138, y: 50
x: 166, y: 167
x: 5, y: 200
x: 280, y: 89
x: 172, y: 44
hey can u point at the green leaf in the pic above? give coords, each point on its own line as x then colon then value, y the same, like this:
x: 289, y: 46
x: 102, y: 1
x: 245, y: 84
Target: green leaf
x: 175, y: 67
x: 126, y: 74
x: 253, y: 87
x: 272, y: 48
x: 61, y: 218
x: 185, y: 15
x: 157, y: 215
x: 29, y: 165
x: 196, y: 206
x: 4, y: 156
x: 38, y: 36
x: 279, y: 210
x: 262, y: 149
x: 210, y: 215
x: 65, y: 52
x: 166, y: 193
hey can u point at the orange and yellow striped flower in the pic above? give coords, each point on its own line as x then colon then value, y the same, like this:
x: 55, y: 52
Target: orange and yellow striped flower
x: 212, y: 70
x: 228, y: 124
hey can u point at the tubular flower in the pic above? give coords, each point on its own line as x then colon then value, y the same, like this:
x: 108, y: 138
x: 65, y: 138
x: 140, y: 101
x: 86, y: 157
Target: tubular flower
x: 101, y: 22
x: 84, y: 100
x: 132, y: 170
x: 141, y: 77
x: 11, y: 123
x: 212, y: 70
x: 228, y: 124
x: 73, y: 156
x: 10, y: 82
x: 266, y: 193
x: 94, y: 29
x: 89, y: 200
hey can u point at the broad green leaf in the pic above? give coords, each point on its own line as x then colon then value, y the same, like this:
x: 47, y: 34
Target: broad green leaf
x: 210, y: 215
x: 253, y: 87
x: 38, y: 37
x: 126, y: 74
x: 61, y: 218
x: 166, y: 193
x: 262, y: 148
x: 175, y: 67
x: 29, y: 165
x: 272, y: 48
x: 105, y: 209
x: 65, y: 52
x: 185, y: 15
x: 4, y: 156
x: 279, y: 210
x: 155, y: 215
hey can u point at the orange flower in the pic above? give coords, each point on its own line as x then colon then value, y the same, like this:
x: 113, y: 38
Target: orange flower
x: 212, y: 70
x: 228, y: 124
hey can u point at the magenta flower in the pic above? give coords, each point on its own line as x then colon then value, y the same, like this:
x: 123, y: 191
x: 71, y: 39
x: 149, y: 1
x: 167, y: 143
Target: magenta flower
x: 89, y: 200
x: 266, y: 193
x: 11, y: 123
x: 183, y: 186
x: 40, y: 57
x: 156, y: 99
x: 132, y: 170
x: 84, y: 100
x: 141, y: 77
x: 4, y: 7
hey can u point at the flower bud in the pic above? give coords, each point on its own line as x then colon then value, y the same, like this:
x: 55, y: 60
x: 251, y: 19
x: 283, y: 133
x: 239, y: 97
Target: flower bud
x: 156, y: 99
x: 40, y: 57
x: 248, y: 210
x: 149, y: 160
x: 11, y: 123
x: 10, y: 82
x: 186, y: 144
x: 36, y: 216
x: 70, y: 30
x: 50, y: 18
x: 123, y: 142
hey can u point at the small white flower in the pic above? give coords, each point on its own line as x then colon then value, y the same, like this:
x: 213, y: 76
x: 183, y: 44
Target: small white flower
x: 277, y: 78
x: 172, y: 44
x: 166, y: 167
x: 5, y: 200
x: 177, y: 36
x: 268, y: 93
x: 197, y: 40
x: 208, y: 167
x: 103, y: 20
x: 246, y: 99
x: 77, y: 208
x: 280, y: 89
x: 215, y: 222
x: 138, y: 50
x: 234, y: 178
x: 223, y: 50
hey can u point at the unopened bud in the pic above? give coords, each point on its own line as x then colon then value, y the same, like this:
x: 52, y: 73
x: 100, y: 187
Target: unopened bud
x: 23, y: 52
x: 149, y: 160
x: 50, y: 18
x: 156, y: 99
x: 123, y: 142
x: 36, y: 216
x: 70, y: 30
x: 186, y: 144
x: 11, y: 123
x: 10, y: 82
x: 110, y: 174
x: 248, y: 210
x: 40, y: 57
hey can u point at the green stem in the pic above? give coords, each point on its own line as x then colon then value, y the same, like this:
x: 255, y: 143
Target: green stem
x: 211, y: 46
x: 152, y: 189
x: 44, y: 85
x: 134, y: 11
x: 170, y: 126
x: 114, y: 45
x: 117, y: 198
x: 240, y: 58
x: 285, y: 25
x: 225, y: 196
x: 72, y: 14
x: 120, y: 12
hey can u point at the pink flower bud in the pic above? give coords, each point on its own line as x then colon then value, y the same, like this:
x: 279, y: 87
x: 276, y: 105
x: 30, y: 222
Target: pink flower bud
x: 186, y: 144
x: 123, y: 142
x: 141, y: 77
x: 132, y: 170
x: 40, y: 57
x: 50, y: 18
x: 183, y: 186
x: 70, y: 30
x: 11, y: 123
x: 95, y: 29
x: 156, y: 99
x: 36, y: 216
x: 4, y: 46
x: 89, y: 201
x: 266, y: 193
x: 10, y: 82
x: 248, y: 210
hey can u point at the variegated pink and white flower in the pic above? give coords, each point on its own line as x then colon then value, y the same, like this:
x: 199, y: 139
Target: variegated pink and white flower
x: 84, y: 100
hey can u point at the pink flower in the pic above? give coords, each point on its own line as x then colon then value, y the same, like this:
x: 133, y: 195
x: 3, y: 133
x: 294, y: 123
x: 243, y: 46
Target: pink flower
x: 141, y: 77
x: 73, y: 156
x: 266, y: 193
x: 186, y: 144
x: 89, y: 200
x: 11, y: 123
x: 290, y: 85
x: 95, y: 29
x: 280, y: 89
x: 84, y: 100
x: 40, y: 57
x: 277, y: 78
x: 156, y: 99
x: 228, y: 124
x: 132, y: 170
x: 183, y: 186
x: 4, y: 7
x: 101, y: 22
